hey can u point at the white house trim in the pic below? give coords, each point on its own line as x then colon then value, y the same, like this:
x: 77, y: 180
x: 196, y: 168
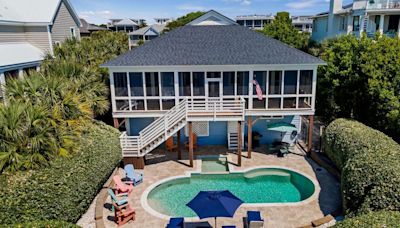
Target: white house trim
x: 205, y: 19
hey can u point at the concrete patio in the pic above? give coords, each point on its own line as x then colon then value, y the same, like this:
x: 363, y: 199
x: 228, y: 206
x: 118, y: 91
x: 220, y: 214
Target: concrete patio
x: 161, y: 164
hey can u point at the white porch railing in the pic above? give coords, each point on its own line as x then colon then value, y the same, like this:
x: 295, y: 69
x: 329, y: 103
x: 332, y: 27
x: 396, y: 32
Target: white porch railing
x: 175, y: 119
x: 383, y: 4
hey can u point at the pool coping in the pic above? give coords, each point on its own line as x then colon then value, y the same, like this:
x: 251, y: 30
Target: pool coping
x: 187, y: 174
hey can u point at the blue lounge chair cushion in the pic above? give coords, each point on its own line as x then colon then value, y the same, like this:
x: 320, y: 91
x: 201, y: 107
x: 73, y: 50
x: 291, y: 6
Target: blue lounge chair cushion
x: 114, y: 198
x: 175, y: 222
x: 133, y: 176
x: 228, y: 226
x: 254, y: 216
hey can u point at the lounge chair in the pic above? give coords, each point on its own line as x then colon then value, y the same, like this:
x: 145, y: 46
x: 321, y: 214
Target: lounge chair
x: 121, y: 187
x: 133, y: 177
x: 194, y: 142
x: 170, y: 144
x: 176, y: 223
x: 123, y: 214
x: 254, y: 219
x: 119, y: 199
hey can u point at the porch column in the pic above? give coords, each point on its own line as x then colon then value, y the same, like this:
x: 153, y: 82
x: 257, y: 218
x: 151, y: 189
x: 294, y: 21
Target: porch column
x: 249, y: 136
x: 239, y: 149
x: 381, y: 23
x: 190, y: 144
x: 21, y: 73
x: 2, y: 84
x: 178, y: 134
x: 310, y: 133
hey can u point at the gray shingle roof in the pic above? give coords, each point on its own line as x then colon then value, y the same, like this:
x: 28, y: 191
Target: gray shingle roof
x: 213, y: 45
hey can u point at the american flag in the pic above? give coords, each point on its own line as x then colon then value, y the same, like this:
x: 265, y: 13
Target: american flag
x: 258, y: 90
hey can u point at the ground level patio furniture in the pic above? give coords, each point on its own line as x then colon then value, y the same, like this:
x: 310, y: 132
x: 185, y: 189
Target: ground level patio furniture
x: 176, y: 223
x: 254, y: 219
x: 132, y: 176
x: 170, y: 144
x: 123, y: 214
x: 120, y: 199
x: 194, y: 142
x: 121, y: 187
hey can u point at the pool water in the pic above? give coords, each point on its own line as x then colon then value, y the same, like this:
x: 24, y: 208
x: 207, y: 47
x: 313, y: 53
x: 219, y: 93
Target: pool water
x: 265, y: 185
x: 214, y: 164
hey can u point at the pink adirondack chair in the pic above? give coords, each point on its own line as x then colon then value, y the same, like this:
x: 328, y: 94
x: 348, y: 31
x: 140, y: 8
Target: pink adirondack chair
x: 121, y: 187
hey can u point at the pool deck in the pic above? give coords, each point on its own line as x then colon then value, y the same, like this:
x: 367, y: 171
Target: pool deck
x: 162, y: 164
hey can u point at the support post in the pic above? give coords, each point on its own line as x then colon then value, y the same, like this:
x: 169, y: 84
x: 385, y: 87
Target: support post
x: 190, y: 144
x: 178, y: 134
x: 239, y: 149
x: 310, y: 133
x: 249, y: 136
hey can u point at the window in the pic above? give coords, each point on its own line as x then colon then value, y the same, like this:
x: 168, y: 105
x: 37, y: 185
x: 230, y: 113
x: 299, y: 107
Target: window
x: 120, y: 84
x: 377, y: 22
x: 240, y: 22
x: 289, y: 102
x: 305, y: 102
x: 229, y: 83
x: 152, y: 84
x: 168, y: 104
x: 275, y: 82
x: 167, y: 84
x: 290, y: 86
x: 122, y: 105
x: 153, y: 104
x: 257, y: 104
x: 356, y: 23
x: 242, y: 83
x: 72, y: 31
x: 137, y: 105
x: 261, y: 78
x: 213, y: 74
x: 342, y: 23
x: 184, y: 84
x: 306, y: 77
x: 198, y: 84
x: 249, y: 23
x: 136, y: 84
x: 274, y: 103
x: 257, y: 23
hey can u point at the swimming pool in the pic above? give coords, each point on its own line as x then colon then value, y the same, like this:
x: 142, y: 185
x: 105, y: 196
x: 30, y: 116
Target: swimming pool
x: 256, y: 186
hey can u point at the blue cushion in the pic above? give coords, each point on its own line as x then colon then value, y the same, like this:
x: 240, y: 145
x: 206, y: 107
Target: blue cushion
x: 228, y: 226
x: 254, y: 216
x: 175, y: 222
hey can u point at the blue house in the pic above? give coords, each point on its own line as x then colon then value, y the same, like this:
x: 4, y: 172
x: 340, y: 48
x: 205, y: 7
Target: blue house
x: 202, y: 79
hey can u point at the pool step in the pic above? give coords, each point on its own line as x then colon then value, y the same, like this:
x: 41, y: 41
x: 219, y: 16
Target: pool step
x: 258, y: 173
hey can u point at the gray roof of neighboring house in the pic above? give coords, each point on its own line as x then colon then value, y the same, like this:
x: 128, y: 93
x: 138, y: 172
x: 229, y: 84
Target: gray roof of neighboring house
x: 126, y: 21
x: 157, y: 28
x: 87, y: 28
x: 213, y: 45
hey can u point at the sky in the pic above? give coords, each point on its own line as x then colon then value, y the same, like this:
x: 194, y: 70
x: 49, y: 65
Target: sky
x: 99, y: 11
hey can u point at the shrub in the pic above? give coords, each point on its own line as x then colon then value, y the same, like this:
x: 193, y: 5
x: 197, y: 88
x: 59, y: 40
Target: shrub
x: 370, y: 165
x: 65, y: 189
x: 372, y: 220
x: 44, y: 224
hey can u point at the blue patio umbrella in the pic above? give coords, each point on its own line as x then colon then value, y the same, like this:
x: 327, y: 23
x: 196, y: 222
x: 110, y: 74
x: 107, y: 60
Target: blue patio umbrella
x: 208, y: 204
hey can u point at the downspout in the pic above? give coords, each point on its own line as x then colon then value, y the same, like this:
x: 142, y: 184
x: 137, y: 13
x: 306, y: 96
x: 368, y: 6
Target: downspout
x: 50, y: 40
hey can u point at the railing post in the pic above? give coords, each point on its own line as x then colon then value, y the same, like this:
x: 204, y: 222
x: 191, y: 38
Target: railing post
x: 215, y: 111
x: 165, y: 126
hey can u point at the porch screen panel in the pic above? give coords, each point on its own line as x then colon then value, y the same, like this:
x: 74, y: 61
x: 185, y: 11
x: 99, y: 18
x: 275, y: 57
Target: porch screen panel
x: 167, y: 84
x: 121, y: 84
x: 242, y: 83
x: 152, y: 84
x: 261, y: 78
x: 229, y: 83
x: 184, y: 84
x: 306, y: 82
x: 136, y: 84
x: 198, y: 84
x: 290, y: 82
x: 275, y: 82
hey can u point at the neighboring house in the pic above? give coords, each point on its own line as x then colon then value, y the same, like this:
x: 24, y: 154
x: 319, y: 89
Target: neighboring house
x: 86, y: 29
x: 145, y: 34
x: 125, y: 25
x: 29, y: 31
x: 199, y: 78
x: 162, y: 21
x: 369, y: 16
x: 302, y: 23
x: 254, y: 21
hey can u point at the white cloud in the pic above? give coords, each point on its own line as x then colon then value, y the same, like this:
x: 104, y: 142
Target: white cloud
x: 188, y: 7
x: 302, y: 4
x: 99, y: 16
x: 242, y: 2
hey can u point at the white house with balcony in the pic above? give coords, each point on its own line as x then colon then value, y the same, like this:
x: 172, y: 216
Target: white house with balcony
x: 202, y: 79
x: 369, y: 16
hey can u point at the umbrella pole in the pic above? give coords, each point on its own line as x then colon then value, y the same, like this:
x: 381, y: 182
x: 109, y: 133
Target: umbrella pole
x: 215, y: 222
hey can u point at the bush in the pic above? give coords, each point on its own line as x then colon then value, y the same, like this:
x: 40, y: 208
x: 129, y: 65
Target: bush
x: 372, y: 220
x: 65, y: 189
x: 44, y: 224
x: 370, y: 165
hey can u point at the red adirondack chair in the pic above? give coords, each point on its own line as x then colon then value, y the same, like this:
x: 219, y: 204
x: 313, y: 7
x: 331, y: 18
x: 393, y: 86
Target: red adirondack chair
x: 121, y: 187
x: 123, y: 214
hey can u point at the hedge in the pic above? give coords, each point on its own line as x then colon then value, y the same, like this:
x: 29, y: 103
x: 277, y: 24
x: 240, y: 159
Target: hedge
x: 372, y: 220
x: 44, y: 224
x: 370, y: 166
x: 65, y: 189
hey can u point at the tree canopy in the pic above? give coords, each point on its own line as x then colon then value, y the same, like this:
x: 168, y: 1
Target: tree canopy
x: 181, y: 21
x: 281, y: 28
x: 361, y: 81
